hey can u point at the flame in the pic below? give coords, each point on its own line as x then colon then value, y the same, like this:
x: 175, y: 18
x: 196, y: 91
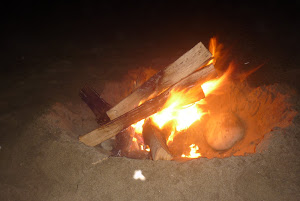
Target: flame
x: 212, y: 49
x: 244, y: 75
x: 188, y: 116
x: 211, y: 85
x: 193, y: 152
x: 213, y: 45
x: 145, y: 147
x: 176, y: 110
x: 171, y: 137
x: 138, y: 126
x: 215, y: 50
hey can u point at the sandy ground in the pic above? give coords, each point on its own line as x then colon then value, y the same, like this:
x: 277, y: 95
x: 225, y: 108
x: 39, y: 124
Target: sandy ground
x: 42, y: 117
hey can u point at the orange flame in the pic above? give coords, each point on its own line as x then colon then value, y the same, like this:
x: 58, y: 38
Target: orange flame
x: 171, y: 137
x: 145, y: 147
x: 211, y: 85
x: 138, y: 126
x: 193, y: 152
x: 183, y: 116
x: 215, y: 50
x: 177, y: 111
x: 244, y: 75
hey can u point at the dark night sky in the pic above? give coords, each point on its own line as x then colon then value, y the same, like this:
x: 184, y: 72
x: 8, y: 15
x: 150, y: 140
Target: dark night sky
x: 42, y: 15
x: 25, y: 23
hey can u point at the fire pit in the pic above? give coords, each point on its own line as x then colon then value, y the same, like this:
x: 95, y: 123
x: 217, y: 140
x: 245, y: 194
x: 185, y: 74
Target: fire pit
x: 187, y: 110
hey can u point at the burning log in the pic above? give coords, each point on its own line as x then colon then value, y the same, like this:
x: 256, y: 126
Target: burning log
x: 126, y: 146
x: 184, y: 66
x: 156, y: 141
x: 150, y: 107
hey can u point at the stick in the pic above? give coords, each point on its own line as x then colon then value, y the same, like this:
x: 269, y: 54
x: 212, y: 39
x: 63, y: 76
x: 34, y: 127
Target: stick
x: 181, y: 68
x: 154, y: 138
x: 97, y: 104
x: 148, y: 108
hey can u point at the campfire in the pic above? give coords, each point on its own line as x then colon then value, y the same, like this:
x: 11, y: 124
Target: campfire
x: 185, y: 111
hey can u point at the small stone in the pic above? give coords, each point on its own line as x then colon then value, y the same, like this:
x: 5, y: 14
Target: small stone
x: 108, y: 144
x: 224, y: 130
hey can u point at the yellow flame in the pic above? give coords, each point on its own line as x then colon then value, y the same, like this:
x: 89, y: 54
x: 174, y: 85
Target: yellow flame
x: 171, y: 137
x: 164, y: 116
x: 178, y: 109
x: 193, y: 152
x: 187, y: 116
x: 138, y: 126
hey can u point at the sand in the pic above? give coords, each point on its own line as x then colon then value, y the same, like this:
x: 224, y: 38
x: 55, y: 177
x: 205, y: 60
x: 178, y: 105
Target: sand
x: 46, y: 162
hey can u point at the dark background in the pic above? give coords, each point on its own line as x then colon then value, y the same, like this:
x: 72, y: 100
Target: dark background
x: 36, y: 31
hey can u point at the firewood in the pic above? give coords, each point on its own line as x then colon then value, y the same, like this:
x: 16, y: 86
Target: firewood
x: 188, y: 63
x: 124, y: 146
x: 97, y: 104
x: 156, y: 141
x: 146, y: 109
x: 121, y: 145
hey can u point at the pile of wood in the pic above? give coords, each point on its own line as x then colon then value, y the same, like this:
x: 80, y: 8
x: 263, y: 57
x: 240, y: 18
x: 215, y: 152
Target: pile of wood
x: 190, y: 69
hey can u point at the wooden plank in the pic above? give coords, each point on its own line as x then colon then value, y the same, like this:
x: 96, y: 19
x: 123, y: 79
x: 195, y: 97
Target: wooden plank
x: 192, y: 60
x: 148, y: 108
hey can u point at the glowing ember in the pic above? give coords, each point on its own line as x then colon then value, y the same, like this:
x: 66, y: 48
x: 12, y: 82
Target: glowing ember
x: 145, y: 147
x: 193, y: 152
